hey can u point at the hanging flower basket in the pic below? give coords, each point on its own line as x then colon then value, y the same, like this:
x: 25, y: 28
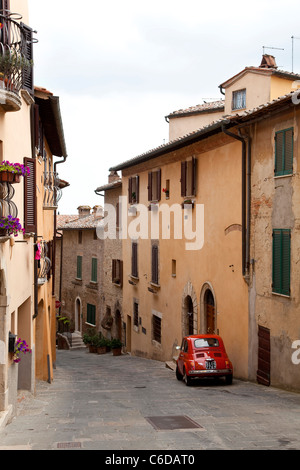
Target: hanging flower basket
x: 10, y: 226
x: 11, y: 172
x: 21, y: 347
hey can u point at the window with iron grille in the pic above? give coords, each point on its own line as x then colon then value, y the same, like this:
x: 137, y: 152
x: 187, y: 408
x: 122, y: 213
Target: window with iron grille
x: 135, y: 314
x: 281, y: 261
x: 156, y: 328
x: 284, y: 152
x: 91, y: 314
x: 239, y: 99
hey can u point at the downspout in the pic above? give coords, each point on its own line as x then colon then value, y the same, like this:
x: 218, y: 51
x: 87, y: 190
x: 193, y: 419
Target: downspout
x: 243, y: 141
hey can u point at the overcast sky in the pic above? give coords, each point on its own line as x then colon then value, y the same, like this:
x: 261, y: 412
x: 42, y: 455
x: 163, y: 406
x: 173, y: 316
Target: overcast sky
x: 119, y: 67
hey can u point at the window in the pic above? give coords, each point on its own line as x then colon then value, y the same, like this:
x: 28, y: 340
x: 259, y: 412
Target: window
x: 156, y: 328
x: 188, y: 177
x: 239, y: 99
x: 79, y: 267
x: 173, y: 267
x: 154, y: 264
x: 135, y: 314
x: 281, y: 261
x: 134, y: 260
x: 94, y: 270
x: 91, y: 314
x: 133, y: 189
x: 117, y: 271
x: 80, y: 237
x: 284, y: 152
x: 154, y: 185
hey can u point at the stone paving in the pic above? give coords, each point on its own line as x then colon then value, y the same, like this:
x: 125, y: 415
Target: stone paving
x: 102, y: 402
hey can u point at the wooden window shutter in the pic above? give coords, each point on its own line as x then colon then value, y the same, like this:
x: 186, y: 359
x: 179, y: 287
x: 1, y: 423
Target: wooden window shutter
x: 281, y: 261
x: 137, y: 188
x: 134, y: 260
x: 129, y: 190
x: 183, y: 179
x: 94, y: 269
x: 288, y: 151
x: 154, y: 276
x: 28, y: 52
x: 158, y: 182
x: 79, y: 267
x: 194, y: 176
x: 150, y: 186
x: 113, y: 270
x: 121, y: 273
x: 30, y: 196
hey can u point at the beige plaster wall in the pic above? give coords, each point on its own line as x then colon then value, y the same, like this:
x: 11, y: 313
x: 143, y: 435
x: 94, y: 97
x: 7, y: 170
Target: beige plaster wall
x: 217, y: 264
x: 181, y: 126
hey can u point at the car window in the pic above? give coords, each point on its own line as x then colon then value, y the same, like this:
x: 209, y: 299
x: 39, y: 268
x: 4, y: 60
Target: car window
x: 185, y: 347
x: 206, y: 342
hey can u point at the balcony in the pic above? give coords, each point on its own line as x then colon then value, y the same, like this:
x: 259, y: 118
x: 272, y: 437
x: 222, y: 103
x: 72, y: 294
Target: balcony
x: 15, y: 60
x: 52, y: 191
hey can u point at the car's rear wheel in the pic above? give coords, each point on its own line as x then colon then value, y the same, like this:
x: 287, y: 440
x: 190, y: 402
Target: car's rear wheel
x: 186, y: 378
x: 228, y: 379
x: 179, y: 376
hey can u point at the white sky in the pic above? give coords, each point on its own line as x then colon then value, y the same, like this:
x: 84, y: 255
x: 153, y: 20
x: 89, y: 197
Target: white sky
x: 119, y: 67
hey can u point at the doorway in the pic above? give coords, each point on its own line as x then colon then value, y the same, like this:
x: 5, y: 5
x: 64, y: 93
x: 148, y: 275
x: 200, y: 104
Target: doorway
x: 188, y: 316
x: 264, y: 356
x: 209, y: 304
x: 78, y: 323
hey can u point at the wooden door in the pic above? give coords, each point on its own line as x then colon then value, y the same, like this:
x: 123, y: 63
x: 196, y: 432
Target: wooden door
x: 210, y: 318
x: 264, y: 356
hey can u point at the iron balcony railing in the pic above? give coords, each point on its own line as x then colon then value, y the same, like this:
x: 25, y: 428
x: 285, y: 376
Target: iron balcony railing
x: 15, y: 52
x: 52, y: 191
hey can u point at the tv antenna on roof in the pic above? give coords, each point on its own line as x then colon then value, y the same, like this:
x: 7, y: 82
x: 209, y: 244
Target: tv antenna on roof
x: 267, y: 47
x: 293, y: 37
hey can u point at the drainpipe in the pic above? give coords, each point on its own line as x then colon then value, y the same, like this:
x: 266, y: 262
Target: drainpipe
x: 243, y: 141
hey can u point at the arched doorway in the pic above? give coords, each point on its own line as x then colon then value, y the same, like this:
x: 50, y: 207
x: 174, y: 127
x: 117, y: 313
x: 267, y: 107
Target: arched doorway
x: 207, y: 310
x: 118, y: 323
x: 209, y: 304
x: 78, y: 322
x: 189, y: 311
x: 189, y: 315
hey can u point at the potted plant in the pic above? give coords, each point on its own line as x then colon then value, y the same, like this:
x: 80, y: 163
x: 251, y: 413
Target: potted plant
x: 93, y: 344
x: 10, y: 226
x: 11, y: 172
x: 102, y: 345
x: 116, y: 346
x: 21, y: 347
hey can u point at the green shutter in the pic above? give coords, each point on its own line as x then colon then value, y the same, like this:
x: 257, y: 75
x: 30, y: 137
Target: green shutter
x: 94, y: 269
x: 79, y: 267
x: 281, y: 261
x: 91, y: 314
x: 284, y: 152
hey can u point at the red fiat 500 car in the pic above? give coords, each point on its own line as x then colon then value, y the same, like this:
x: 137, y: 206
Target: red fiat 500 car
x: 203, y: 356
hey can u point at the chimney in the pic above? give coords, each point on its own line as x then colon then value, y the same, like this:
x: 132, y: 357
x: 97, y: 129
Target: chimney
x: 83, y: 211
x: 268, y: 62
x: 98, y: 212
x: 113, y: 176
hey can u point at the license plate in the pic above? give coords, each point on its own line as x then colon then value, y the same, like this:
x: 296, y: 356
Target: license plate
x: 210, y: 364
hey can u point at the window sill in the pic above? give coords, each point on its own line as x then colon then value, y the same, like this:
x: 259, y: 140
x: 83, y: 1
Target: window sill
x: 92, y: 285
x: 281, y: 295
x: 117, y: 284
x: 284, y: 176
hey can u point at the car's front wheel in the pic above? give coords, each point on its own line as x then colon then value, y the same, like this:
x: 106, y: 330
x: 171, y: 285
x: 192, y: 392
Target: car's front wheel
x: 179, y: 376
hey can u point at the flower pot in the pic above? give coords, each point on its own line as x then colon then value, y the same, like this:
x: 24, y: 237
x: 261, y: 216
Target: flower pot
x: 101, y: 350
x: 117, y: 351
x: 3, y: 232
x: 6, y: 177
x: 92, y: 349
x: 16, y: 178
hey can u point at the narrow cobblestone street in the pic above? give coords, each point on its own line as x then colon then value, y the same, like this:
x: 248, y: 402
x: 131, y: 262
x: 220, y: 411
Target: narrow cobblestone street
x: 101, y: 402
